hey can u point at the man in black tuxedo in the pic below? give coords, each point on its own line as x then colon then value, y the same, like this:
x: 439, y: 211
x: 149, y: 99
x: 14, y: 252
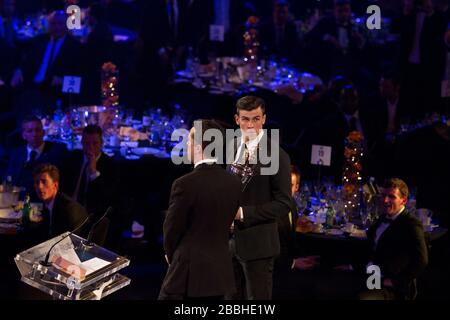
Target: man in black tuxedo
x: 279, y: 36
x: 90, y: 176
x: 286, y: 227
x: 398, y: 246
x: 336, y: 123
x: 60, y: 213
x: 386, y: 111
x: 50, y: 58
x: 266, y: 197
x: 335, y: 45
x: 422, y: 56
x: 24, y: 158
x: 202, y: 207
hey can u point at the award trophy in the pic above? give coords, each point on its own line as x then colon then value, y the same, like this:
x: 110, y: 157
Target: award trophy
x: 244, y: 171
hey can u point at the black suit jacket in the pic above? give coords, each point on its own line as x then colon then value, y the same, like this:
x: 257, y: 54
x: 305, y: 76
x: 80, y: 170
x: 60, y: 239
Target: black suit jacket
x: 202, y: 207
x: 66, y: 215
x: 401, y: 252
x: 432, y: 47
x: 21, y: 172
x: 286, y: 232
x: 100, y: 192
x: 265, y: 199
x: 66, y: 62
x: 155, y: 28
x: 287, y: 48
x: 326, y: 59
x: 331, y: 130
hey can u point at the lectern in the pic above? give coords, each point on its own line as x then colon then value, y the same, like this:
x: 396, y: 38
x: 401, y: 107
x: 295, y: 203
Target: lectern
x: 76, y: 270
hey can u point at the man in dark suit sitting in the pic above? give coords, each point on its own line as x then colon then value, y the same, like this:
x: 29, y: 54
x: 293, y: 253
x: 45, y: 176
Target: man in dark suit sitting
x: 60, y: 213
x: 24, y: 158
x: 398, y: 246
x: 50, y: 58
x: 202, y: 207
x: 91, y: 177
x: 286, y: 228
x: 266, y: 197
x: 335, y: 47
x: 279, y: 37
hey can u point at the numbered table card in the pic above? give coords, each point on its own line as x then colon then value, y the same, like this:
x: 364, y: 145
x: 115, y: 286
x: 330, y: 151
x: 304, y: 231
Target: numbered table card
x: 71, y: 84
x: 321, y: 155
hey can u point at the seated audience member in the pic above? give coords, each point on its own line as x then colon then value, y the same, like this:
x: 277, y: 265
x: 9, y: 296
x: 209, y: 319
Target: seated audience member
x: 286, y: 280
x: 334, y: 45
x: 279, y: 37
x: 43, y: 67
x: 24, y: 158
x: 397, y: 246
x: 91, y: 177
x: 286, y: 227
x: 387, y: 111
x: 98, y: 49
x: 343, y: 117
x: 422, y: 57
x: 60, y: 213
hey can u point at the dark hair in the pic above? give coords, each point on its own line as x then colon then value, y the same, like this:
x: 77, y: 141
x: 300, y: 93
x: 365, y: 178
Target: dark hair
x: 30, y: 118
x: 97, y: 11
x: 206, y: 125
x: 342, y: 2
x: 391, y: 75
x: 48, y: 168
x: 295, y: 171
x: 349, y: 89
x: 93, y: 129
x: 394, y: 183
x: 249, y: 103
x: 281, y: 3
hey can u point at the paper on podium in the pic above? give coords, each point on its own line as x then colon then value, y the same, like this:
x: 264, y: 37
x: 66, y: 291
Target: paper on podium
x: 66, y: 258
x: 93, y: 265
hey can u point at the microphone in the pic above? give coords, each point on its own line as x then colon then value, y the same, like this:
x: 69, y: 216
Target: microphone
x: 45, y: 262
x: 91, y: 231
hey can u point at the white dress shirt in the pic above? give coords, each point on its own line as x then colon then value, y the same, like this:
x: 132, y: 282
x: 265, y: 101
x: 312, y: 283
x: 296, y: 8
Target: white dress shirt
x: 252, y: 146
x: 50, y: 213
x: 414, y: 56
x: 208, y: 161
x: 392, y: 111
x: 343, y: 37
x: 358, y: 121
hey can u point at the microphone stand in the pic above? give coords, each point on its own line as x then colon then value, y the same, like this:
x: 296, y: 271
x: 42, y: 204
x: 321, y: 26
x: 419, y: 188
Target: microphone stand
x: 46, y: 262
x: 89, y: 242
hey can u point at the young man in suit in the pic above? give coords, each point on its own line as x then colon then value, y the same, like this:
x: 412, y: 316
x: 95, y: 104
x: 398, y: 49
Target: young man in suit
x: 398, y: 246
x: 60, y: 213
x: 202, y: 207
x: 265, y: 198
x: 24, y: 158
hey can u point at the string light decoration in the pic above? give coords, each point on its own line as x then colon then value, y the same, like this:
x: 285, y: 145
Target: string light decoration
x: 110, y: 85
x: 251, y: 42
x: 352, y: 175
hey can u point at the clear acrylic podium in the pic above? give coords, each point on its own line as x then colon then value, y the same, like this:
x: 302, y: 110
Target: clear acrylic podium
x: 78, y: 271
